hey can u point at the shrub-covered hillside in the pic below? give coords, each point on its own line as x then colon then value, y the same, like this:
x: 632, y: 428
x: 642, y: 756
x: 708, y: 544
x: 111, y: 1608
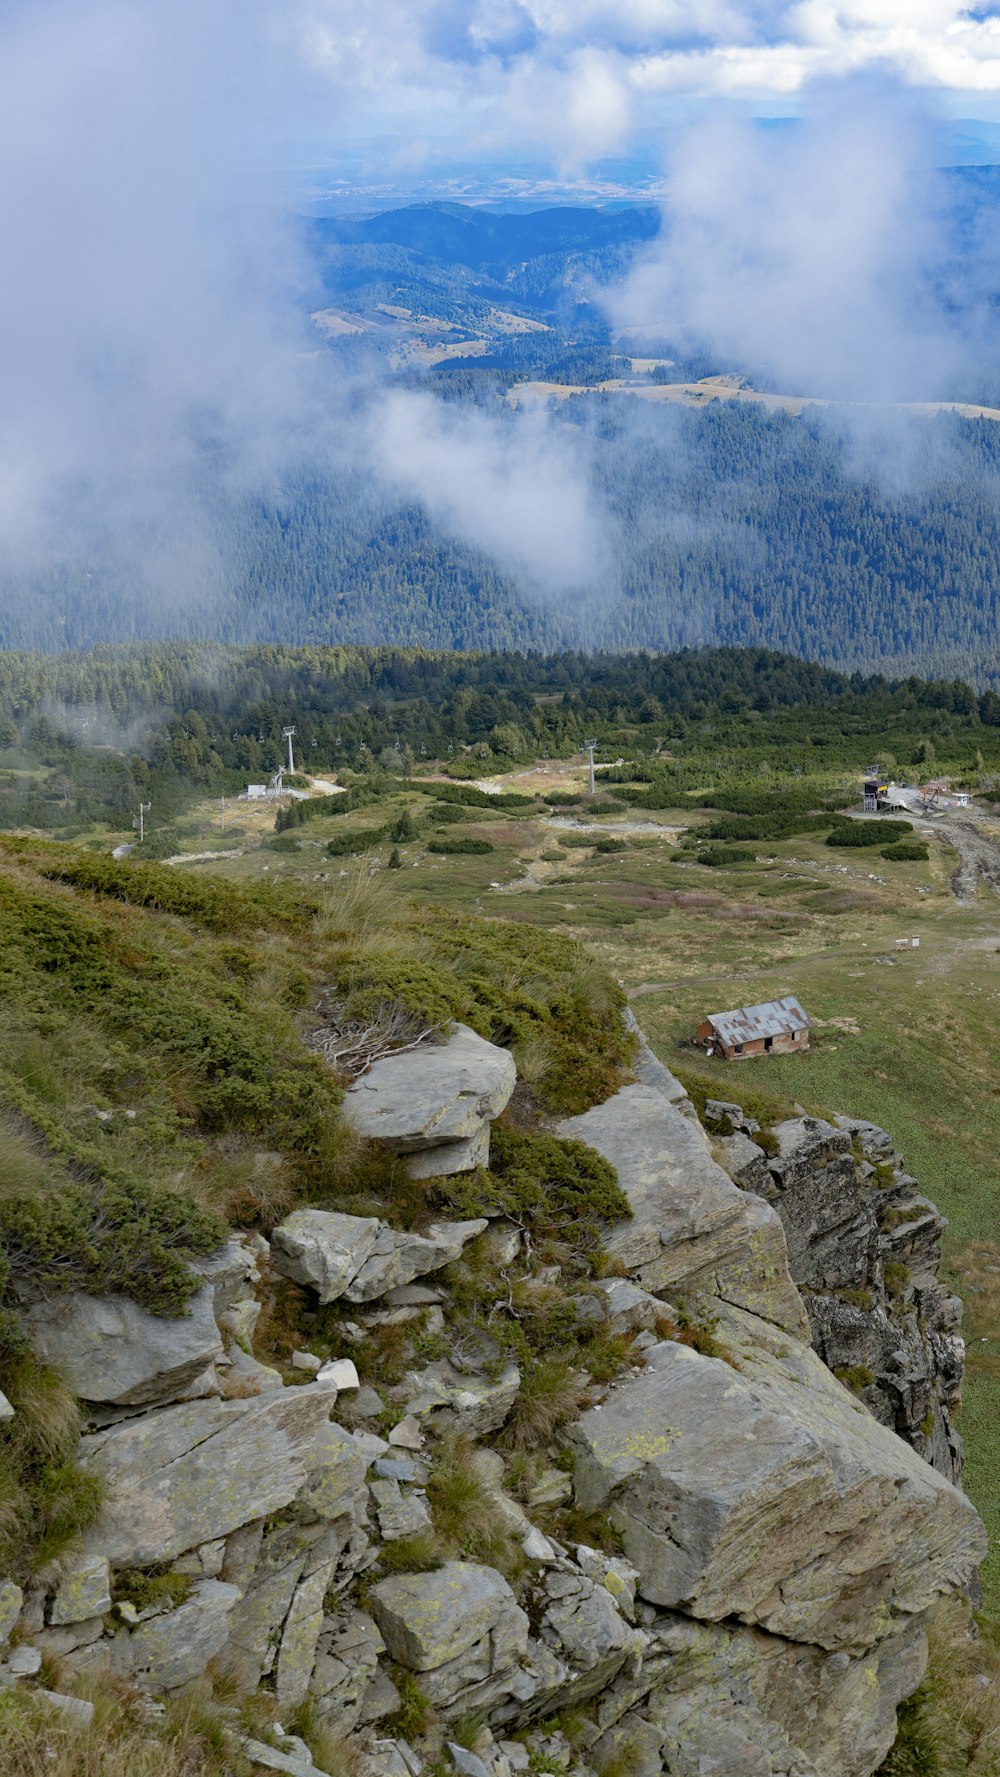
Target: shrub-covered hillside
x: 158, y: 1084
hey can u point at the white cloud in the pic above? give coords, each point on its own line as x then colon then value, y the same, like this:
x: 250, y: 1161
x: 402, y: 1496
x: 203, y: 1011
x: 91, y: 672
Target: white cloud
x: 516, y: 490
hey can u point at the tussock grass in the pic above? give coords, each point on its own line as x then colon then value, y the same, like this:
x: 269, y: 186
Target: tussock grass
x: 192, y: 1740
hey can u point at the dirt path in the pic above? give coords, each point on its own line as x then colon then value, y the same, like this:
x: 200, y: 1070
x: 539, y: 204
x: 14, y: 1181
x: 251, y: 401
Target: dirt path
x: 977, y: 855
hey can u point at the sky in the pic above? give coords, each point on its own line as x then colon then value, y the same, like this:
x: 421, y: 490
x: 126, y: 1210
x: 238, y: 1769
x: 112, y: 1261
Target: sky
x: 155, y: 298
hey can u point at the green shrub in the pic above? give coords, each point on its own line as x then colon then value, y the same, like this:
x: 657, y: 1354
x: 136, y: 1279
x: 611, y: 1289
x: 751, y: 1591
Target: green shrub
x: 356, y: 839
x: 610, y: 845
x: 557, y: 1185
x: 868, y: 833
x: 46, y: 1500
x: 911, y: 852
x: 449, y: 814
x: 474, y: 847
x: 720, y: 856
x: 125, y: 1239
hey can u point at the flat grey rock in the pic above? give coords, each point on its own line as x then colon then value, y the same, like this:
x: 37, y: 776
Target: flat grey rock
x: 433, y: 1095
x: 84, y: 1590
x: 187, y: 1475
x: 110, y: 1350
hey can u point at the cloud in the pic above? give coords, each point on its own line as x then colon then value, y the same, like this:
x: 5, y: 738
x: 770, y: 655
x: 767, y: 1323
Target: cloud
x: 816, y: 256
x: 517, y: 489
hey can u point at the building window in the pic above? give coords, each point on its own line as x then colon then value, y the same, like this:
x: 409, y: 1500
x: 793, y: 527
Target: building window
x: 737, y: 1048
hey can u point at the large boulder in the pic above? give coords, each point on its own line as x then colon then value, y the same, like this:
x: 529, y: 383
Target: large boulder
x: 691, y: 1229
x: 111, y: 1351
x: 760, y: 1489
x: 360, y: 1257
x: 733, y: 1701
x: 323, y: 1249
x: 189, y: 1474
x: 461, y: 1626
x: 439, y: 1096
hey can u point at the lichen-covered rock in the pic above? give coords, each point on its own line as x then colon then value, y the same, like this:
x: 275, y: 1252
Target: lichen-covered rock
x: 430, y: 1097
x: 84, y: 1590
x: 744, y: 1161
x: 691, y: 1227
x: 832, y: 1236
x: 430, y: 1619
x: 174, y: 1648
x: 765, y: 1492
x: 739, y: 1703
x: 189, y: 1474
x: 446, y: 1397
x: 360, y: 1257
x: 299, y: 1637
x: 587, y: 1631
x: 110, y: 1350
x: 346, y: 1668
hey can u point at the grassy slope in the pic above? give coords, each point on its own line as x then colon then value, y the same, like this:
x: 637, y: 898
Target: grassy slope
x: 155, y: 1086
x: 913, y: 1045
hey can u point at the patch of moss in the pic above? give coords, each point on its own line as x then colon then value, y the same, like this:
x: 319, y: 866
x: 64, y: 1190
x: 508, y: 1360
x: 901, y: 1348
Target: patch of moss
x: 151, y: 1587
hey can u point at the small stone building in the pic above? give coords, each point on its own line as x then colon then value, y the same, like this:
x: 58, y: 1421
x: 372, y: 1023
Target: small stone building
x: 774, y: 1028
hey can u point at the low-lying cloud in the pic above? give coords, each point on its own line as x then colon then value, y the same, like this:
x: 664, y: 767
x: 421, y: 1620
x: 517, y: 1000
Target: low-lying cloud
x: 517, y: 489
x: 817, y: 257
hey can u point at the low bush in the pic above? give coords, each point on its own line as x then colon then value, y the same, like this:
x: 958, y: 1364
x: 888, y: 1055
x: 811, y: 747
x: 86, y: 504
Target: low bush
x: 908, y: 852
x: 610, y: 845
x: 559, y: 1186
x: 474, y: 847
x: 717, y: 857
x: 868, y: 833
x: 354, y: 840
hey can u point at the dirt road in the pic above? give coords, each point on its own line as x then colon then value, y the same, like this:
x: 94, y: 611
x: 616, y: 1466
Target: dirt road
x: 977, y: 856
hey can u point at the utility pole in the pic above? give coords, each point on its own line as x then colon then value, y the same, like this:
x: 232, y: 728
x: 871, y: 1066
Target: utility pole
x: 139, y: 819
x: 287, y: 734
x: 222, y: 806
x: 588, y: 747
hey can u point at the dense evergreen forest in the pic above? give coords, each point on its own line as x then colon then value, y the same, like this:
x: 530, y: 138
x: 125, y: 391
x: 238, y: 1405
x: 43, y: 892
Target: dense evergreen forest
x: 84, y: 736
x: 868, y: 544
x: 730, y: 526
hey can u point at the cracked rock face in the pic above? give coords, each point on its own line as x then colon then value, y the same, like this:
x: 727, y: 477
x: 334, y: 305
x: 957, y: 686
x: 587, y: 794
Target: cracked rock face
x: 865, y: 1247
x: 764, y: 1492
x: 360, y: 1257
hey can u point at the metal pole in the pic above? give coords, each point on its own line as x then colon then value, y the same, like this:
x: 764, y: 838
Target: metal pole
x: 589, y: 746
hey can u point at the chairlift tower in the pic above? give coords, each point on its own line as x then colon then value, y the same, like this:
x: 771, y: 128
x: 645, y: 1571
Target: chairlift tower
x: 138, y: 820
x: 287, y: 735
x: 588, y: 747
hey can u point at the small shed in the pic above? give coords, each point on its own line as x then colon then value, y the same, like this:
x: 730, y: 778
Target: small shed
x: 775, y: 1028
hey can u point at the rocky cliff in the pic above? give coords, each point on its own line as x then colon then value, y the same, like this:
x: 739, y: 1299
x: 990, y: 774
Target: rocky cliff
x: 672, y: 1493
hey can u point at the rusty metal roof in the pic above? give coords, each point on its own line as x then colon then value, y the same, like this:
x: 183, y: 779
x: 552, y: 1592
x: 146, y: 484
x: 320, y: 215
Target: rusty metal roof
x: 776, y: 1018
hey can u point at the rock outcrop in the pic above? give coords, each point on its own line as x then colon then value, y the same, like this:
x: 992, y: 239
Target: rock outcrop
x: 775, y: 1548
x: 435, y: 1104
x: 864, y: 1248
